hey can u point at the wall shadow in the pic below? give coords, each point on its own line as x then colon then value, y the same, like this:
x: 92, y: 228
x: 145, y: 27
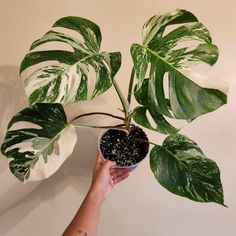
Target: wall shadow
x: 12, y: 100
x: 17, y: 199
x: 75, y: 173
x: 12, y: 96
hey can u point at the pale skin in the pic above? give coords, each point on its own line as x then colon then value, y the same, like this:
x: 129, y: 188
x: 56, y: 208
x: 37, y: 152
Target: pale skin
x: 105, y: 177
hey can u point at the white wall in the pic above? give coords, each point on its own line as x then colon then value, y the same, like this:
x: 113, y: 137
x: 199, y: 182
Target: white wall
x: 138, y: 206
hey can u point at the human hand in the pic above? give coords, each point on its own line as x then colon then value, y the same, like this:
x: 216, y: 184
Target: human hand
x: 105, y: 177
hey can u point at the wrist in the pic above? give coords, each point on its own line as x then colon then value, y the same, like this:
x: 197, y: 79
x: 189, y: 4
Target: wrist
x: 97, y: 197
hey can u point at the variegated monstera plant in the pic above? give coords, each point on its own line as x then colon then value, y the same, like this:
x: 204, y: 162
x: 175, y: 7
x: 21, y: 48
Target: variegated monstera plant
x: 39, y: 138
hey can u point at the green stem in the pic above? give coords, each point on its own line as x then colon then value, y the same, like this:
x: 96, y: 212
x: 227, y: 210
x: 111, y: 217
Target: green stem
x: 122, y: 99
x: 144, y: 141
x: 131, y: 81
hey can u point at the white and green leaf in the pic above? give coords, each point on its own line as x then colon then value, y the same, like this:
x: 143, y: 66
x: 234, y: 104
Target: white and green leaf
x: 154, y: 28
x: 38, y: 141
x: 181, y: 167
x: 140, y: 113
x: 66, y: 79
x: 161, y: 124
x: 171, y: 54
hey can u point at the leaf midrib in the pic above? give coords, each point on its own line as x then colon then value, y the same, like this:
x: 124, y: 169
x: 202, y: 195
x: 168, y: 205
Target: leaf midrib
x: 79, y: 61
x: 180, y: 162
x: 163, y: 60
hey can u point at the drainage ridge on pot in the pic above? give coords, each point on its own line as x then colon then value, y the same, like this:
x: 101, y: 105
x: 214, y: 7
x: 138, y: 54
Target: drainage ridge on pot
x: 127, y: 149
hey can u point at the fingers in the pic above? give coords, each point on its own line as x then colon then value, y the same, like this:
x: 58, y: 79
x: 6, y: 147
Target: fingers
x: 119, y: 174
x: 115, y: 172
x: 111, y: 182
x: 108, y: 164
x: 120, y: 178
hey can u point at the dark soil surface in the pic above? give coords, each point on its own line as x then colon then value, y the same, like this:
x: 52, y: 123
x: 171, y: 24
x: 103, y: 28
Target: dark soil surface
x: 126, y: 149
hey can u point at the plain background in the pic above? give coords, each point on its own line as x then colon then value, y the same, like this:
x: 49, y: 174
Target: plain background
x: 138, y: 206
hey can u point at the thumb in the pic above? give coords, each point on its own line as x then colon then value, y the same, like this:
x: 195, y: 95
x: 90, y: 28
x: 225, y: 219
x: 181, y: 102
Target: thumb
x: 108, y: 164
x: 99, y: 159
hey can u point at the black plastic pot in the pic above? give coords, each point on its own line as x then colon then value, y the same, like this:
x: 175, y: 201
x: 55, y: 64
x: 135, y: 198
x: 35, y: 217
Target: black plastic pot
x: 127, y: 149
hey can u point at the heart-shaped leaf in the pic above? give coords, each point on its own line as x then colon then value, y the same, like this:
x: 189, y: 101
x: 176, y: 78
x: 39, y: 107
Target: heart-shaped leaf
x: 38, y: 141
x: 67, y: 79
x: 166, y: 54
x: 180, y: 166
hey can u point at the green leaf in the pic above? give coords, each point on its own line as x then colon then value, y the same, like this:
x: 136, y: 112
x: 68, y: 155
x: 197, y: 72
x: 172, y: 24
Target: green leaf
x: 180, y: 166
x: 154, y: 28
x: 66, y: 79
x: 189, y: 100
x: 88, y: 30
x: 141, y: 93
x: 162, y: 125
x: 162, y: 55
x: 53, y: 36
x: 140, y: 113
x: 38, y: 141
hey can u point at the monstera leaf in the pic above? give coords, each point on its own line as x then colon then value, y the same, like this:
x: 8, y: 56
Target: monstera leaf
x: 38, y: 141
x: 181, y: 167
x: 66, y: 79
x: 140, y: 113
x: 172, y: 54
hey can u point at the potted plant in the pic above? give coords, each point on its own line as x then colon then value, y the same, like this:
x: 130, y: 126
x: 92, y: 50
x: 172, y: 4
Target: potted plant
x: 39, y: 138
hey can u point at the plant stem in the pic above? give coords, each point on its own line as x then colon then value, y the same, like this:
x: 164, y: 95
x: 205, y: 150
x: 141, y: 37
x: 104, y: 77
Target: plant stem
x: 120, y: 126
x: 122, y: 99
x: 131, y: 81
x: 98, y: 113
x: 144, y: 141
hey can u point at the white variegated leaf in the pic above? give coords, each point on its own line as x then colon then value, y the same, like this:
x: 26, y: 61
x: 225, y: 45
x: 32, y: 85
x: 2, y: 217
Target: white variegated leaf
x: 187, y: 45
x: 180, y: 166
x: 66, y: 79
x: 53, y: 83
x: 44, y: 169
x: 38, y: 141
x: 154, y: 28
x: 140, y: 113
x: 53, y: 36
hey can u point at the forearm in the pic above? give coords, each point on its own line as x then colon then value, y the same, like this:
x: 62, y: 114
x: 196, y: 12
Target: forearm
x: 86, y: 219
x: 85, y: 222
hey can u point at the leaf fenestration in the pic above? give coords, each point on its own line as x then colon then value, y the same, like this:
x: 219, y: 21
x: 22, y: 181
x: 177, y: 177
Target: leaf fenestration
x: 182, y: 48
x: 40, y: 147
x: 66, y: 78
